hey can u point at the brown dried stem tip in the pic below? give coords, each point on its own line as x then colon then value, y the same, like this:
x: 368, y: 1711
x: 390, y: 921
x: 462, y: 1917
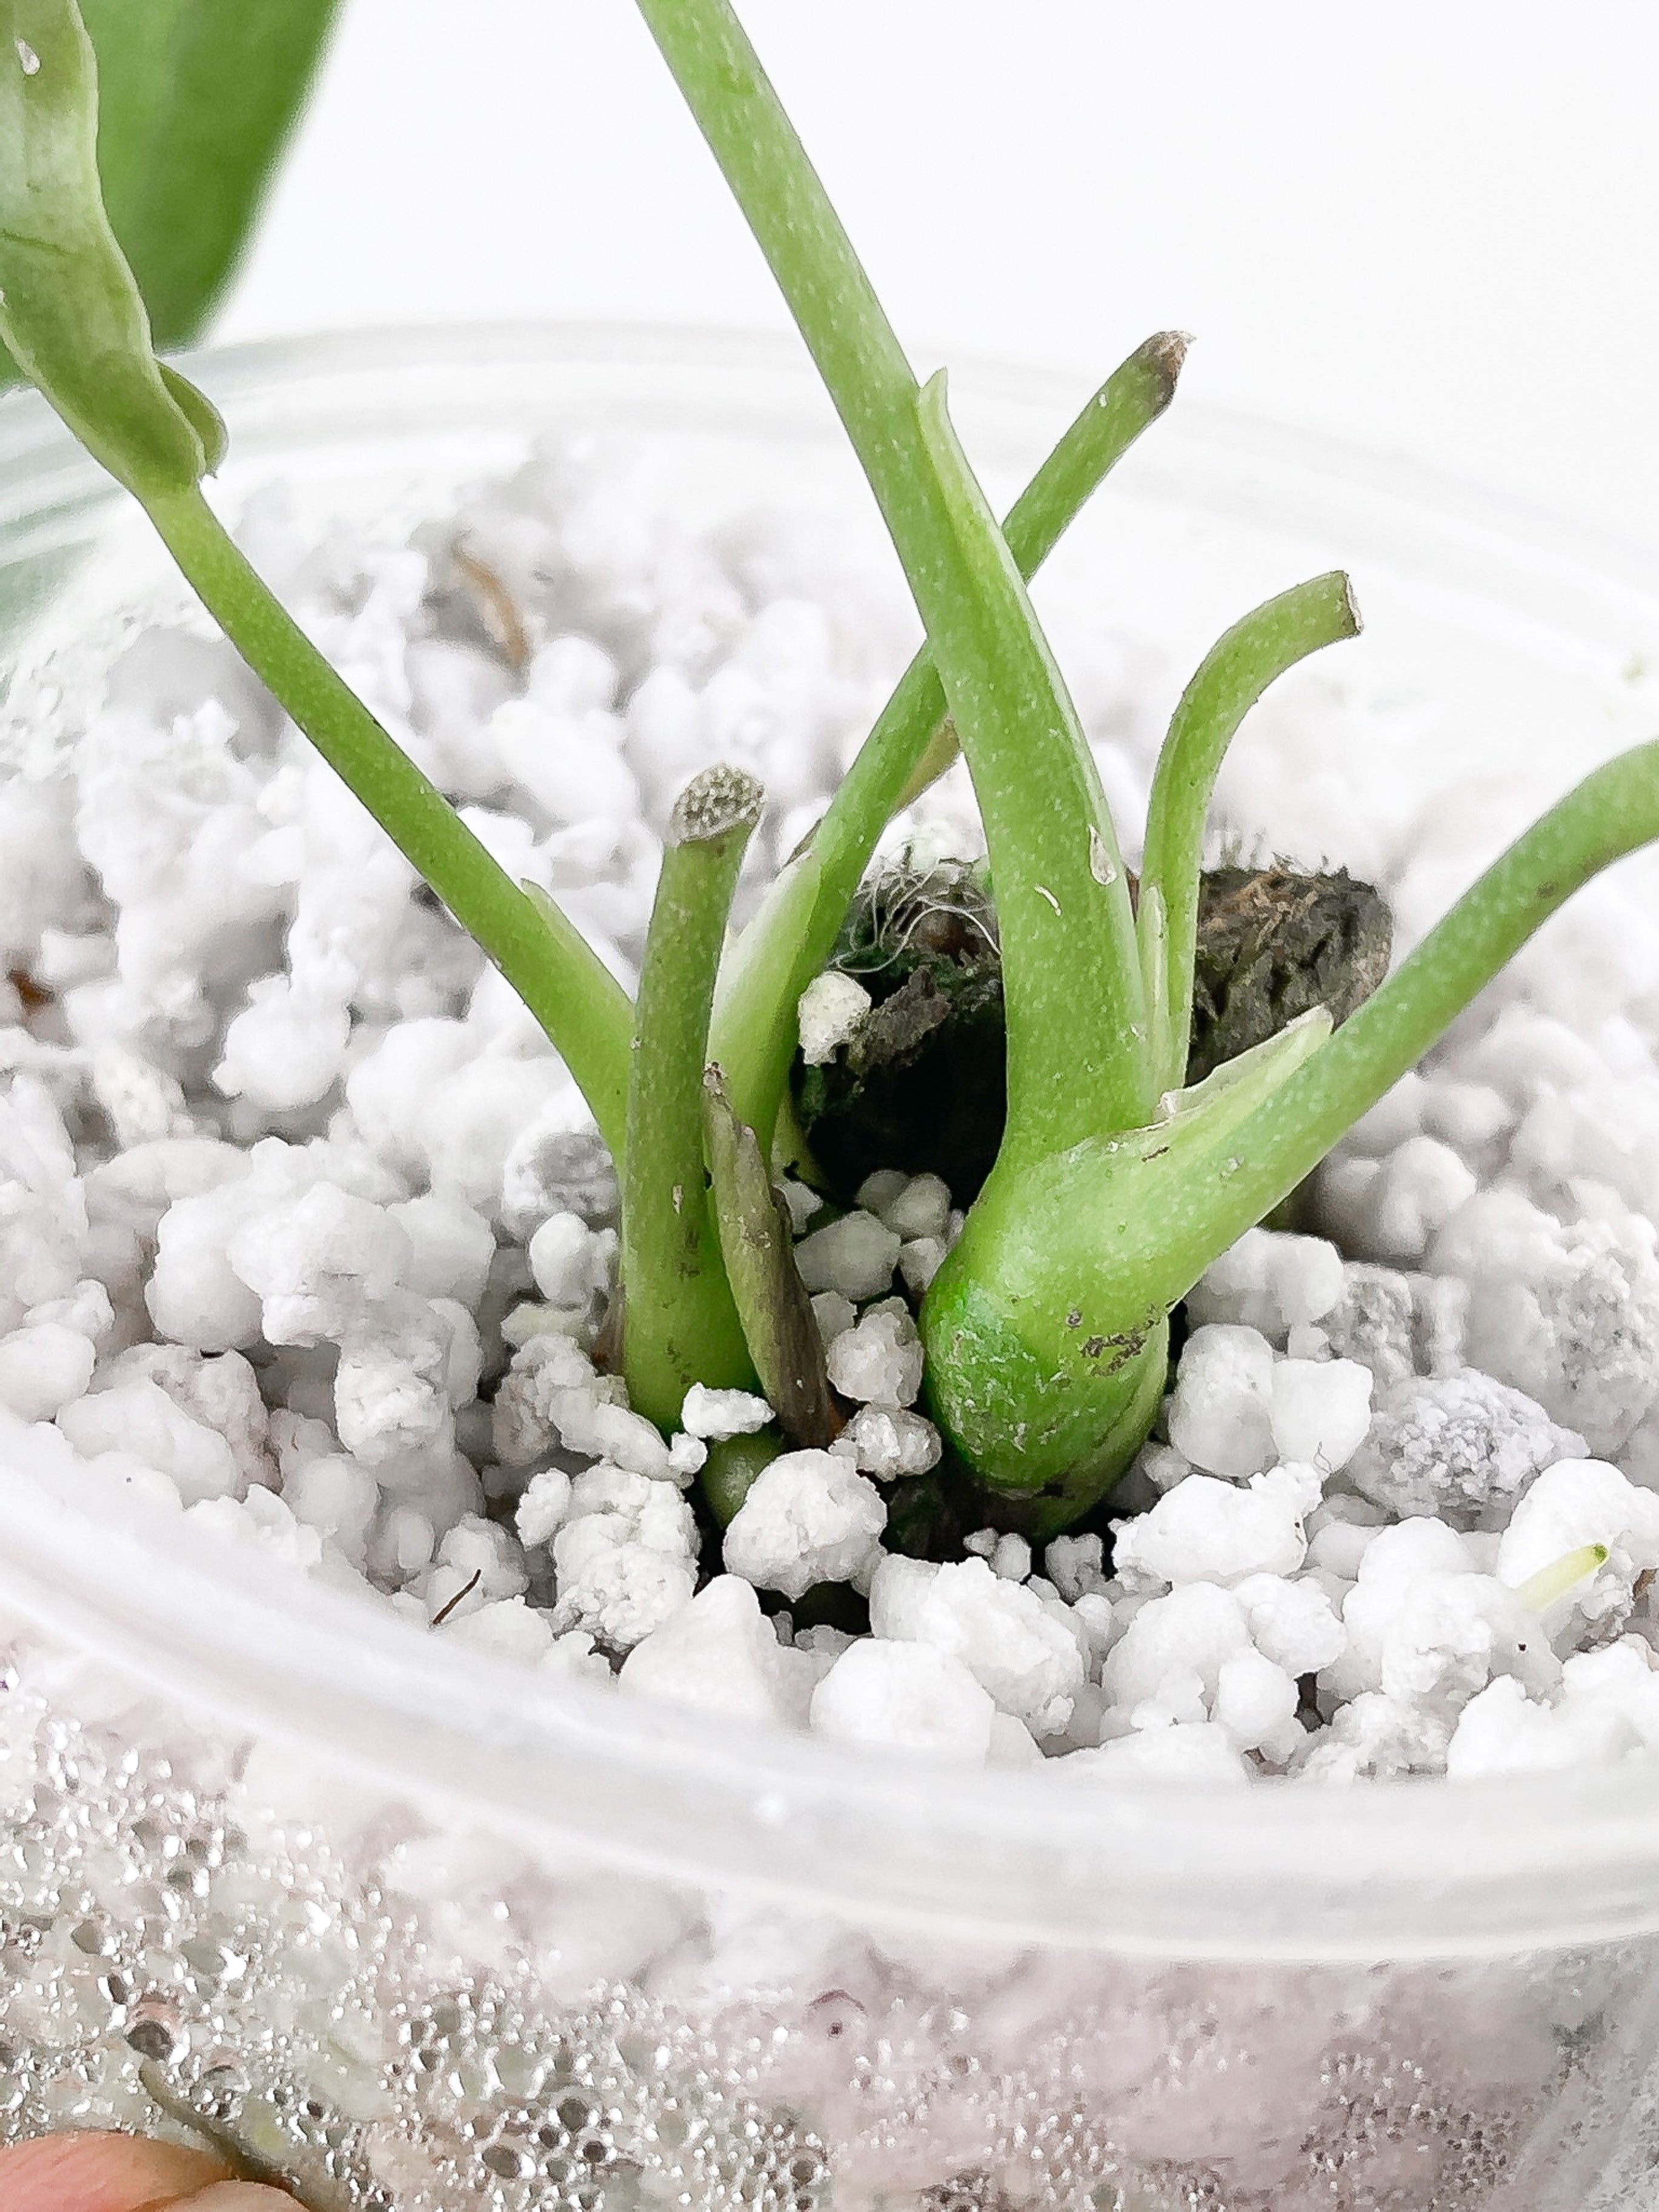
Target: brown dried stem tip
x: 722, y: 798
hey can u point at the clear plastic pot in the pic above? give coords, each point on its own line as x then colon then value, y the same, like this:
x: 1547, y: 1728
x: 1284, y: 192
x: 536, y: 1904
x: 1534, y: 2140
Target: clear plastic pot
x: 428, y: 1930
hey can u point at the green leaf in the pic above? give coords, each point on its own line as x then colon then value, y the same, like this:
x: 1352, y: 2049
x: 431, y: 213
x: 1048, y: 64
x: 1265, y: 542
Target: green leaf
x: 1071, y: 963
x: 69, y: 307
x: 199, y: 97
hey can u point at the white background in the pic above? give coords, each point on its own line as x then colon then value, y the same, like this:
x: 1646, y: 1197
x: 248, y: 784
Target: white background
x: 1431, y: 226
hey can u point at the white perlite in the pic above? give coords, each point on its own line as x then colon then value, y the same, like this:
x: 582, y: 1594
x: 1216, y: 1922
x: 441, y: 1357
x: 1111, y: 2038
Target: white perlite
x: 1029, y: 1659
x: 831, y: 1008
x: 878, y: 1360
x: 905, y: 1697
x: 720, y: 1654
x: 307, y: 1238
x: 808, y: 1518
x: 717, y: 1414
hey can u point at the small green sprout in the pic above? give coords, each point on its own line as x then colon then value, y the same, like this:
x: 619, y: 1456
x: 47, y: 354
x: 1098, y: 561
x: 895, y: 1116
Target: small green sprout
x: 1554, y: 1583
x: 1116, y: 1184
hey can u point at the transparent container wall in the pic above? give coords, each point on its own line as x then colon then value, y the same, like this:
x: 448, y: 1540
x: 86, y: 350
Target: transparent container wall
x: 418, y: 1929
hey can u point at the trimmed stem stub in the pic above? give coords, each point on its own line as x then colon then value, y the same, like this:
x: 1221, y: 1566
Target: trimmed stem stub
x: 682, y: 1325
x: 715, y: 804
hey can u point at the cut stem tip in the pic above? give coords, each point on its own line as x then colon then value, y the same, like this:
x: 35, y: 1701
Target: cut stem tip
x: 722, y: 798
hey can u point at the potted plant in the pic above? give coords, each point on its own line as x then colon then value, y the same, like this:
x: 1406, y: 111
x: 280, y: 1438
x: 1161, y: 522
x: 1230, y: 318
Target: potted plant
x: 501, y: 1949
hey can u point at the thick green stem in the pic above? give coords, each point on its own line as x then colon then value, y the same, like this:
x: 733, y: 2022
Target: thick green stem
x: 583, y: 1009
x: 1044, y: 1323
x: 680, y: 1325
x: 911, y: 743
x: 1232, y: 677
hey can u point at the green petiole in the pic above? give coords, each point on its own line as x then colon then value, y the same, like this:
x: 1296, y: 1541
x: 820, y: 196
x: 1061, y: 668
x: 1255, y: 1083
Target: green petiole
x: 69, y: 311
x: 679, y: 1324
x: 1231, y: 678
x: 583, y: 1009
x: 1614, y: 810
x: 71, y: 314
x: 1071, y: 967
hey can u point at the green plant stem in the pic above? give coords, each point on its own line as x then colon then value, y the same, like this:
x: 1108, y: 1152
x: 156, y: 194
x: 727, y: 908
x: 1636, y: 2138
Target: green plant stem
x: 1153, y: 930
x: 911, y: 743
x: 1018, y: 728
x: 1044, y: 1323
x: 1231, y: 678
x: 756, y: 1026
x: 1075, y: 1004
x: 583, y: 1009
x: 680, y: 1325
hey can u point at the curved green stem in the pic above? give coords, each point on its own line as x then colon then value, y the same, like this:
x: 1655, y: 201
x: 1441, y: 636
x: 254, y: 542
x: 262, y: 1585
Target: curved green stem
x: 73, y: 318
x: 583, y: 1009
x: 1231, y: 678
x: 911, y: 743
x: 1152, y: 931
x: 1076, y: 1009
x: 680, y: 1325
x: 756, y: 1025
x: 1613, y: 811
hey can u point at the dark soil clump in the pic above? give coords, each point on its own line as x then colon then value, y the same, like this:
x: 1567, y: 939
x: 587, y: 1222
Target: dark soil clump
x: 1272, y: 944
x: 921, y: 1085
